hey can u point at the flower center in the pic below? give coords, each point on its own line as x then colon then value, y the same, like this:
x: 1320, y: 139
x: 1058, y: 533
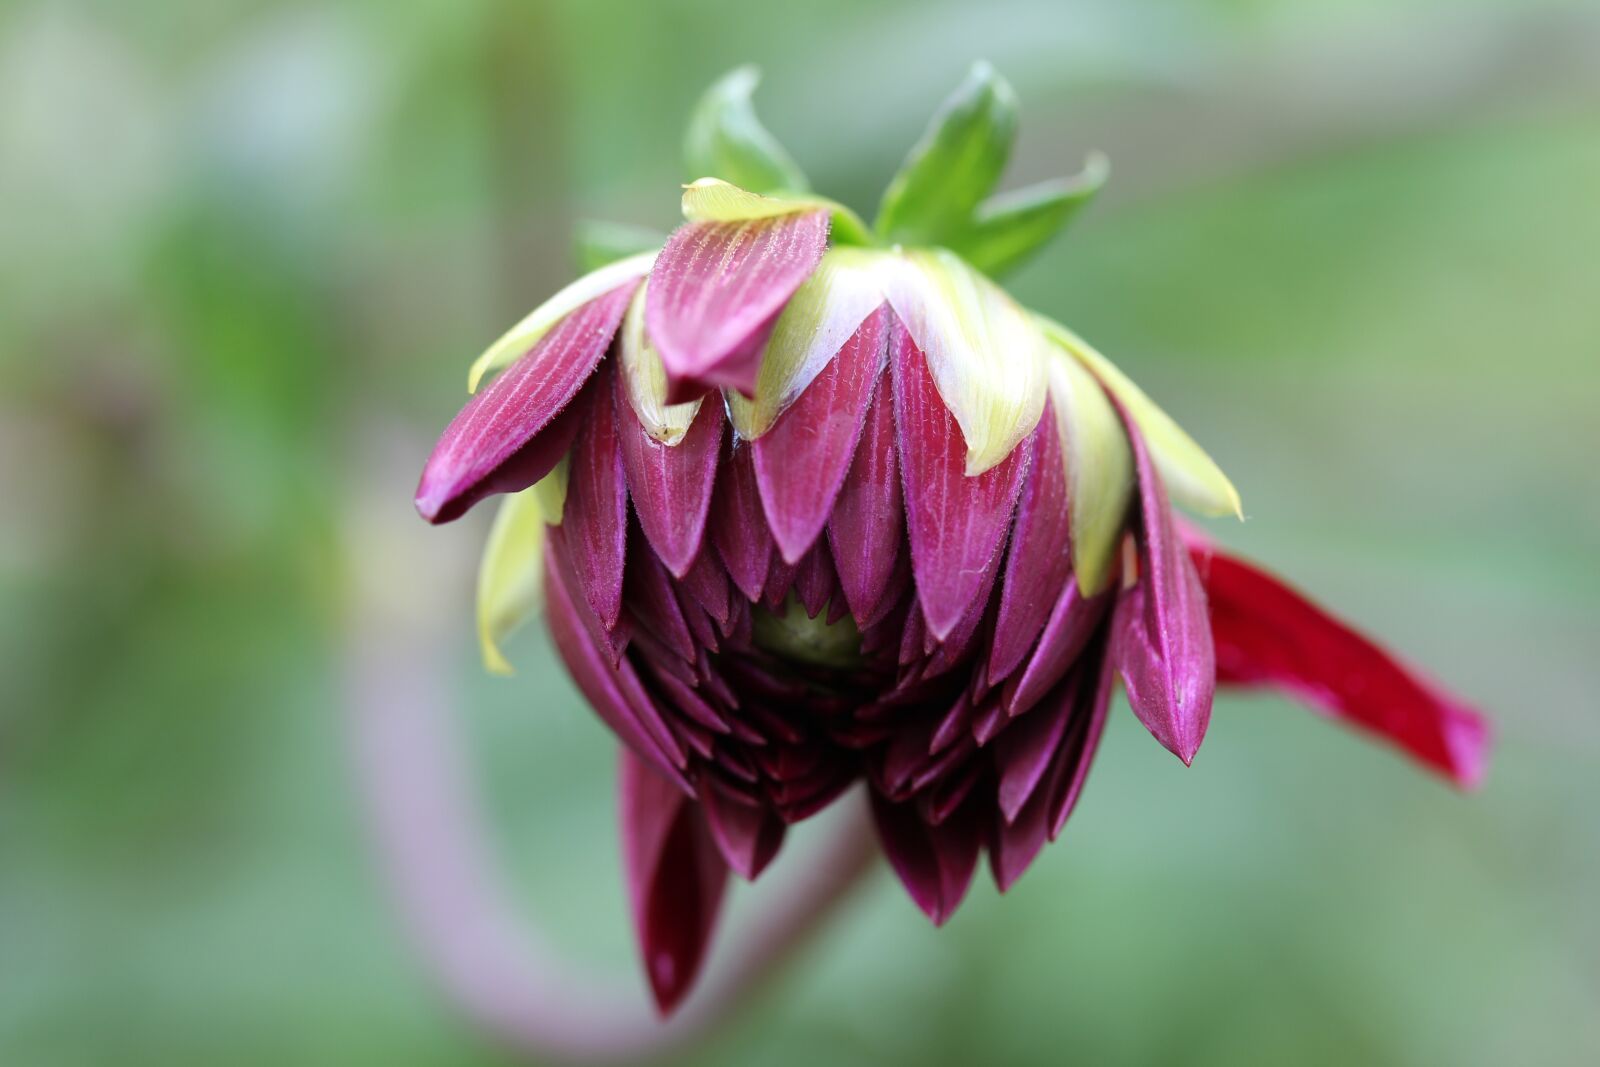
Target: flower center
x: 794, y: 636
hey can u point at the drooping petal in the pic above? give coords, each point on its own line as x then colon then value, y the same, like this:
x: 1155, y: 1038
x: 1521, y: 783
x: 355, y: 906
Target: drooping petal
x: 675, y: 878
x: 748, y: 837
x: 987, y: 356
x: 867, y: 523
x: 801, y: 463
x: 1267, y: 634
x: 738, y: 526
x: 825, y: 312
x: 934, y: 863
x: 1024, y: 750
x: 716, y: 291
x: 956, y: 522
x: 1039, y: 561
x: 1099, y: 470
x: 510, y: 575
x: 645, y: 379
x: 1162, y: 633
x: 1072, y: 622
x: 510, y: 435
x: 596, y: 511
x: 521, y: 338
x: 1192, y: 477
x: 671, y: 485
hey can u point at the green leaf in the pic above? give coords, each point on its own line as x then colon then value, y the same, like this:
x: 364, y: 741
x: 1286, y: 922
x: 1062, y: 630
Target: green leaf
x: 1007, y: 229
x: 955, y: 164
x: 600, y: 244
x: 727, y: 141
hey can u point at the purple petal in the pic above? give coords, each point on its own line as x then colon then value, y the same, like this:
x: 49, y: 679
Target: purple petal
x: 675, y: 879
x: 748, y: 837
x: 716, y: 290
x: 738, y: 529
x: 654, y: 605
x: 670, y: 485
x: 802, y: 461
x: 1039, y: 561
x: 934, y: 863
x: 1072, y: 622
x: 1161, y: 629
x: 867, y: 524
x: 507, y: 438
x: 956, y: 523
x: 595, y: 517
x: 1024, y: 751
x: 1267, y: 634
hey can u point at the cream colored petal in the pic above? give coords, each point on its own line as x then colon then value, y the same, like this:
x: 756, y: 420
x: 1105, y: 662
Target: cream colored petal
x: 644, y: 377
x: 1192, y: 478
x: 987, y: 356
x: 714, y: 200
x: 822, y: 315
x: 511, y: 574
x: 1099, y: 464
x: 525, y: 334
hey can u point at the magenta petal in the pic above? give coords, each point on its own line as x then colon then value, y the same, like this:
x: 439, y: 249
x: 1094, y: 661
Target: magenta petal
x: 496, y: 444
x: 675, y: 879
x: 1266, y: 633
x: 802, y: 460
x: 616, y: 694
x: 716, y: 290
x: 748, y: 837
x: 738, y: 529
x: 1161, y: 629
x: 595, y: 517
x: 956, y: 523
x: 1039, y: 561
x: 867, y: 524
x: 934, y: 863
x: 1024, y: 751
x: 670, y: 485
x: 1072, y: 622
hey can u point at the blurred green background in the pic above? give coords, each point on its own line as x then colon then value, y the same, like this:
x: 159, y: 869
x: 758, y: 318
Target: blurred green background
x: 247, y: 250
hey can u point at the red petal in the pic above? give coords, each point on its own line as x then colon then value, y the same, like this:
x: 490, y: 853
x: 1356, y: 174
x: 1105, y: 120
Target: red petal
x: 716, y: 290
x: 506, y: 438
x: 670, y: 485
x: 934, y: 863
x: 801, y: 462
x: 675, y: 878
x: 738, y: 529
x: 1161, y: 632
x: 956, y: 523
x: 1072, y: 622
x: 748, y: 837
x: 1266, y: 633
x: 868, y: 523
x: 595, y: 517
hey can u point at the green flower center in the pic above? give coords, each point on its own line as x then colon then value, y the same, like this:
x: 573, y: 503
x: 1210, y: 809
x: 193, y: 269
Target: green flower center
x: 794, y: 636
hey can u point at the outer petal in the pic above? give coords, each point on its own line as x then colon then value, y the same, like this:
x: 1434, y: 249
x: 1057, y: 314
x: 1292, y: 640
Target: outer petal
x: 716, y: 290
x: 1099, y: 470
x: 738, y: 528
x: 524, y: 335
x: 868, y: 522
x: 675, y: 878
x: 1039, y: 562
x: 819, y: 320
x: 802, y: 462
x: 1267, y: 634
x: 935, y: 863
x: 956, y: 522
x: 987, y: 355
x: 748, y: 837
x: 645, y: 379
x: 1162, y: 633
x: 1193, y: 477
x: 508, y: 436
x: 596, y: 512
x: 671, y: 486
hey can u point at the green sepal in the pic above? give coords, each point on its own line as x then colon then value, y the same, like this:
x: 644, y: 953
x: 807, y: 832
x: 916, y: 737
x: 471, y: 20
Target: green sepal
x: 596, y: 243
x: 1009, y: 228
x: 727, y: 141
x: 954, y: 166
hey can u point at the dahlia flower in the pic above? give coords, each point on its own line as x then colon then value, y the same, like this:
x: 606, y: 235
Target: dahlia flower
x: 810, y: 503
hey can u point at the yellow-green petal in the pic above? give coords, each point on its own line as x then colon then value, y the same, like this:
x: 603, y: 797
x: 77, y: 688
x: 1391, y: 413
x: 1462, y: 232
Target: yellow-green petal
x: 714, y: 200
x: 1192, y: 478
x: 510, y: 575
x: 987, y: 356
x: 1099, y: 464
x: 525, y: 334
x: 822, y: 315
x: 644, y: 378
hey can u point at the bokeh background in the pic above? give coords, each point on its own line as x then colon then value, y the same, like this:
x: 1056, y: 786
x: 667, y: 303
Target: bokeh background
x: 247, y: 250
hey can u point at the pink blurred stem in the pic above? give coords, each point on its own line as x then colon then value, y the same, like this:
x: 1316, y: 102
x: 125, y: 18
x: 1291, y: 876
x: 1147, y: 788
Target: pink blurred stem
x: 432, y: 840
